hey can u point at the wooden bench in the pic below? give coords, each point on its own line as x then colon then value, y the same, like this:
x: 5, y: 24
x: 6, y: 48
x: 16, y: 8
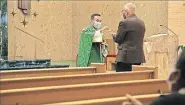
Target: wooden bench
x: 145, y: 99
x: 56, y: 94
x: 46, y: 72
x: 100, y: 67
x: 140, y: 68
x: 111, y: 64
x: 28, y: 82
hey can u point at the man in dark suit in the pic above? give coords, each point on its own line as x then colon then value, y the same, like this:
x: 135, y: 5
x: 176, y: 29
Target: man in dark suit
x: 129, y: 37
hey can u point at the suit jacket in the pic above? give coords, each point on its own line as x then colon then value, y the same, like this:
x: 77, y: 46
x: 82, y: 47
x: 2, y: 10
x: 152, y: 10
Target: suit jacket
x: 130, y: 37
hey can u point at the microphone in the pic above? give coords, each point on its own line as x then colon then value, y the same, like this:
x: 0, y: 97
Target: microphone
x: 168, y: 29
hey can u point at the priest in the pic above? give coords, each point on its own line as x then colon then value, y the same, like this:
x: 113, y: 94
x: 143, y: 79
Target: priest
x: 92, y: 47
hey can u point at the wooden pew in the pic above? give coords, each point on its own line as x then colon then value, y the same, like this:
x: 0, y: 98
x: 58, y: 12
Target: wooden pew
x: 141, y: 68
x: 135, y: 67
x: 145, y: 99
x: 56, y: 94
x: 100, y: 67
x: 29, y: 82
x: 46, y: 72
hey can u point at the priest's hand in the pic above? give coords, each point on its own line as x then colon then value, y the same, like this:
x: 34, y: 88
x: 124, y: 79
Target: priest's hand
x: 109, y: 30
x: 104, y: 28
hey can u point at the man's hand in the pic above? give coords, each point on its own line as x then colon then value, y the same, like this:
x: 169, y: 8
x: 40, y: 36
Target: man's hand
x: 112, y: 33
x: 131, y: 101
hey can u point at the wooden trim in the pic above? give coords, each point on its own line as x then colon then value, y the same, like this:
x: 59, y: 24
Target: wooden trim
x: 139, y: 67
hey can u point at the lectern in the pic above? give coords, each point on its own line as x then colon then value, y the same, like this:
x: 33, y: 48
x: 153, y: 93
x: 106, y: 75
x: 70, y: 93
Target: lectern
x: 161, y: 51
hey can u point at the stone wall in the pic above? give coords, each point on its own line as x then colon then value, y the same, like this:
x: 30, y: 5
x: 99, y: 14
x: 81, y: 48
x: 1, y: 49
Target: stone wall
x: 176, y: 19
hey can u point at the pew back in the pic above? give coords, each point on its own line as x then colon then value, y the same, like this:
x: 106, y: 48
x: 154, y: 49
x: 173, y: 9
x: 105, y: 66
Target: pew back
x: 56, y: 94
x: 29, y: 82
x: 46, y: 72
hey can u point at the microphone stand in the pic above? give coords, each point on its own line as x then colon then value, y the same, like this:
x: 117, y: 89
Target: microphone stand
x: 168, y: 29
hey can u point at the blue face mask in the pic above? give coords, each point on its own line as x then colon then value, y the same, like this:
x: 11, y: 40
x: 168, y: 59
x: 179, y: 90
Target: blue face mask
x: 97, y: 25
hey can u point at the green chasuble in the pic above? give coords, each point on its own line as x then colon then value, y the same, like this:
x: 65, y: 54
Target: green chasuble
x: 88, y: 52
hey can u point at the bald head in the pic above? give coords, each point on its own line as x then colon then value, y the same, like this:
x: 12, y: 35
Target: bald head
x: 129, y: 9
